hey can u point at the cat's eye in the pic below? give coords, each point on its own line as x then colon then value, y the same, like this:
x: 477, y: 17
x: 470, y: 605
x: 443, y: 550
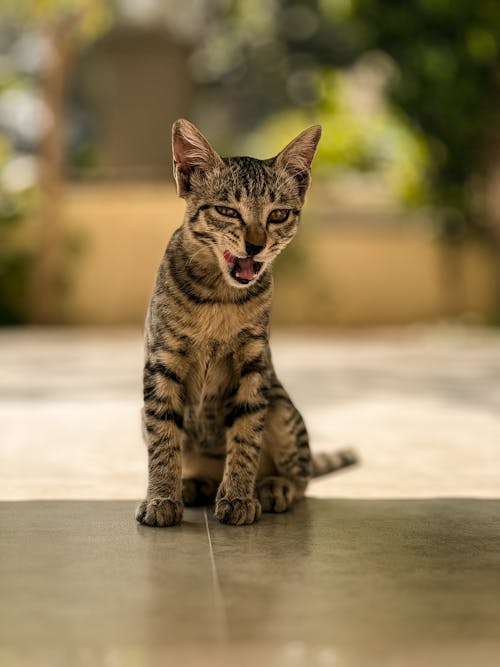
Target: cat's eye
x: 278, y: 215
x: 227, y: 212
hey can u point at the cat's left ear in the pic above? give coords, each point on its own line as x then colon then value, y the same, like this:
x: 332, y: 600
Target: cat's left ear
x: 296, y: 158
x: 190, y: 151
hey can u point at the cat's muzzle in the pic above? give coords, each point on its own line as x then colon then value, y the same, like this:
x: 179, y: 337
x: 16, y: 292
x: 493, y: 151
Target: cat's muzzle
x: 242, y: 269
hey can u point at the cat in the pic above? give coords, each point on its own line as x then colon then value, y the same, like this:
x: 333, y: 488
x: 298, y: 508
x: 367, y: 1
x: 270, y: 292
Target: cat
x: 217, y: 422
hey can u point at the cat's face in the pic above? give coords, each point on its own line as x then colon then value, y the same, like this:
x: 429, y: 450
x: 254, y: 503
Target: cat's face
x: 246, y: 210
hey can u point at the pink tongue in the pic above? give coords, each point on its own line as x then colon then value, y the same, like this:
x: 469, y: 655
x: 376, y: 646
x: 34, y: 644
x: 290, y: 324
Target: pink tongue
x: 245, y: 269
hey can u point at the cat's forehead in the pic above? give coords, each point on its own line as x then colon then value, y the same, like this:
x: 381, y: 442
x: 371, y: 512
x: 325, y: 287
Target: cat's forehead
x: 247, y: 178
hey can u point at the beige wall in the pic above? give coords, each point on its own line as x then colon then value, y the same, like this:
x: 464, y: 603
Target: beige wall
x: 338, y: 275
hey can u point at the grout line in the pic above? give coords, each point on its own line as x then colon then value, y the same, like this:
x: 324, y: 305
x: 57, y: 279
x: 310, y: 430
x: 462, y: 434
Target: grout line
x: 220, y: 609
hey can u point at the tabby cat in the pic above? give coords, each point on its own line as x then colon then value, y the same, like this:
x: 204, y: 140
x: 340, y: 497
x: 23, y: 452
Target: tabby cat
x: 217, y: 422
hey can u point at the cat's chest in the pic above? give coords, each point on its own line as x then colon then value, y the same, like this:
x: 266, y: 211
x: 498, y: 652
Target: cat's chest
x: 219, y: 323
x: 211, y: 371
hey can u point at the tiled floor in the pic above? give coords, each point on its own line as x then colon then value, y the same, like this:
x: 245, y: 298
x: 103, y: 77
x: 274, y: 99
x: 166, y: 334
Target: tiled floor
x: 336, y: 582
x: 395, y: 563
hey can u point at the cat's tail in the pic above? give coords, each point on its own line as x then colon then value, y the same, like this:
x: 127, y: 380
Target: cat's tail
x: 326, y: 462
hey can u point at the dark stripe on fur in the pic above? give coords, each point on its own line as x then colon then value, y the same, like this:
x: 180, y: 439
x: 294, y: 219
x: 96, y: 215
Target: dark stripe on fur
x: 325, y: 463
x: 166, y: 415
x: 243, y: 409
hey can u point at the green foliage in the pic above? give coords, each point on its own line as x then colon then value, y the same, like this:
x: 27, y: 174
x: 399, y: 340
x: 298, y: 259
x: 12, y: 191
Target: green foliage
x: 92, y: 16
x: 15, y: 257
x: 448, y: 82
x: 380, y: 141
x: 443, y: 91
x: 86, y: 19
x: 15, y: 260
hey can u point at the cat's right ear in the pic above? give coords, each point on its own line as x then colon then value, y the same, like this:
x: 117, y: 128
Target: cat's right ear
x: 296, y: 158
x: 190, y: 151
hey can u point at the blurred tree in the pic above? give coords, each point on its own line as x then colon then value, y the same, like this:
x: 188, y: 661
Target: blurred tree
x: 447, y: 82
x: 264, y: 56
x: 447, y: 59
x: 355, y: 139
x: 15, y: 260
x: 260, y: 57
x: 52, y: 31
x: 50, y: 35
x: 14, y: 268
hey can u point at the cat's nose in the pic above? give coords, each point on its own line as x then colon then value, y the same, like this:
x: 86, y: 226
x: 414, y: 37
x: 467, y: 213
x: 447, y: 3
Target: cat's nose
x: 252, y: 249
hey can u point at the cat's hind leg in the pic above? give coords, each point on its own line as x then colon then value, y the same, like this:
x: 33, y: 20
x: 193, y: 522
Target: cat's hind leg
x: 275, y: 494
x: 287, y: 445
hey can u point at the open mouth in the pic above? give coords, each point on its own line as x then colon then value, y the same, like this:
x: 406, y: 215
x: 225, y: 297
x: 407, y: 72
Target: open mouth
x: 242, y: 269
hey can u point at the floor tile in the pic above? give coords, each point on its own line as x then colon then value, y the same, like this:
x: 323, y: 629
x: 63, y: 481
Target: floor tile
x: 341, y: 572
x: 335, y: 582
x: 86, y: 572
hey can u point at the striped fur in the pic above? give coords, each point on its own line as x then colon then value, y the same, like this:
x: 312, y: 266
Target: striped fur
x: 217, y: 422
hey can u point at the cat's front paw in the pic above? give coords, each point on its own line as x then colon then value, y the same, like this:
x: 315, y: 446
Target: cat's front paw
x: 159, y: 512
x: 237, y: 511
x: 276, y: 494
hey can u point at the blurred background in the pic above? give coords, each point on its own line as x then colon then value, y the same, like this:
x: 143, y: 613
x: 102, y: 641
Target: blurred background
x: 403, y: 220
